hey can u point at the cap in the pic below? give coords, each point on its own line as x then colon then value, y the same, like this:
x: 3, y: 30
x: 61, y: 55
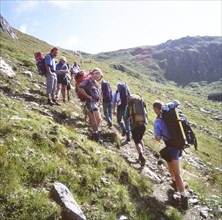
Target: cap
x: 63, y: 58
x: 54, y: 49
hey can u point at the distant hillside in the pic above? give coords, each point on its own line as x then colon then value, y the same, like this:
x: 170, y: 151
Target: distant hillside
x: 189, y: 59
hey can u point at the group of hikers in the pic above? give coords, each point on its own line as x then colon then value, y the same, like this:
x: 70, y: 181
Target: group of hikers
x: 130, y: 110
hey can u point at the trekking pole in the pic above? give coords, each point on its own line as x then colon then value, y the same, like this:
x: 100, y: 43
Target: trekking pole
x: 181, y: 127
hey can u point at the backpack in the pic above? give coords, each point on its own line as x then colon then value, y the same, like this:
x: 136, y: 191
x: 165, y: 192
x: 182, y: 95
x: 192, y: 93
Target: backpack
x: 137, y: 110
x: 79, y: 77
x: 179, y: 128
x: 106, y: 91
x: 40, y: 63
x: 123, y: 94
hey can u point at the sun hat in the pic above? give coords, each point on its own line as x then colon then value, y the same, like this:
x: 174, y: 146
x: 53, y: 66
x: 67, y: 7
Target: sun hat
x: 63, y: 58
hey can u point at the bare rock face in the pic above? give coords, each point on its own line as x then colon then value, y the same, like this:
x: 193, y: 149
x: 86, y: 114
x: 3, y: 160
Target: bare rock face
x: 71, y: 210
x: 6, y: 28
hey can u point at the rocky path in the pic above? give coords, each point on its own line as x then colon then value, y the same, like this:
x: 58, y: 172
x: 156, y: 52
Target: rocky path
x: 156, y: 170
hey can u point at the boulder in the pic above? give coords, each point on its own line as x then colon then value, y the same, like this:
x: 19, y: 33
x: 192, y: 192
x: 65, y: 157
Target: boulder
x: 61, y: 195
x: 5, y: 68
x: 6, y: 28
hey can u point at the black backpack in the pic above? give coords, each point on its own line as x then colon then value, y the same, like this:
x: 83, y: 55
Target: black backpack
x: 179, y: 128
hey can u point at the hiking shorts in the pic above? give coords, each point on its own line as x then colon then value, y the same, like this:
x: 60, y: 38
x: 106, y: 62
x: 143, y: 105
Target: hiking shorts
x: 137, y: 133
x: 62, y: 80
x: 175, y: 153
x: 92, y: 106
x: 169, y: 154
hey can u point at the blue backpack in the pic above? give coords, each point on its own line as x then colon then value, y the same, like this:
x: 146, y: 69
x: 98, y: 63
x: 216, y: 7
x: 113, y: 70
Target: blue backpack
x: 124, y: 93
x: 106, y: 91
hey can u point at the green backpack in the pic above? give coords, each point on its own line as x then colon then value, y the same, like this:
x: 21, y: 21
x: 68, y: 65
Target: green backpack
x: 137, y: 110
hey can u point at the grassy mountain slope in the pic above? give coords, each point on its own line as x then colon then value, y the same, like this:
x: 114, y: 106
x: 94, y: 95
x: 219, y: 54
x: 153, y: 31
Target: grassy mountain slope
x: 188, y: 59
x: 40, y: 144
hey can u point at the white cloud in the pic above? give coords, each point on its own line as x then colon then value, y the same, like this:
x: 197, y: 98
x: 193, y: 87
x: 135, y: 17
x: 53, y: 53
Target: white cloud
x: 22, y: 6
x: 61, y: 4
x: 23, y: 28
x: 70, y: 42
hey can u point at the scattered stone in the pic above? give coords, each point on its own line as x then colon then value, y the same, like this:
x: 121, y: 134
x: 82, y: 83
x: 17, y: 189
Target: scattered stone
x: 5, y: 68
x: 28, y: 73
x: 204, y: 212
x: 123, y: 217
x: 71, y: 210
x: 193, y: 201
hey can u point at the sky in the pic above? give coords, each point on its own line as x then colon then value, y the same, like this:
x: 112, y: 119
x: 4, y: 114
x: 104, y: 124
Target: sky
x: 101, y: 26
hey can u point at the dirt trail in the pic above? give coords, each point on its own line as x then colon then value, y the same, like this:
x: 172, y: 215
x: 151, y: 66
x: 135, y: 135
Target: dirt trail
x: 158, y: 172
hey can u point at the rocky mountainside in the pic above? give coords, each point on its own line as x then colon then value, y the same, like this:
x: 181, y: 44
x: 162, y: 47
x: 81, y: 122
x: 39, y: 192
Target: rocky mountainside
x: 189, y: 59
x: 6, y: 28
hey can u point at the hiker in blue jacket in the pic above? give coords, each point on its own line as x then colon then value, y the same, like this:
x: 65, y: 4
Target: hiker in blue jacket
x: 120, y: 100
x: 170, y: 154
x: 51, y: 77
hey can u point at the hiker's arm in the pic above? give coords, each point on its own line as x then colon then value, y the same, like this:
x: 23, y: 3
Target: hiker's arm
x: 158, y: 138
x: 81, y: 90
x: 48, y: 69
x: 114, y: 103
x: 61, y: 71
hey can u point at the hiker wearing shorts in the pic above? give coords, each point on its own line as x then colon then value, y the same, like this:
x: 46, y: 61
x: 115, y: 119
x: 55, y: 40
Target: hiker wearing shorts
x: 62, y: 78
x: 90, y: 89
x: 138, y: 129
x: 51, y: 77
x: 170, y: 154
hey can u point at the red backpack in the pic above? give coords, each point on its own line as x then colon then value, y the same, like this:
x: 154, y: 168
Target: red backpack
x: 40, y: 63
x: 79, y: 77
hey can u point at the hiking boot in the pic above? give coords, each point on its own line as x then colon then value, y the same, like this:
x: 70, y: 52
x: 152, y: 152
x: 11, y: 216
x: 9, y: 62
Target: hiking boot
x: 142, y: 159
x: 56, y: 102
x: 174, y: 185
x: 110, y: 124
x: 50, y: 102
x: 128, y: 137
x: 184, y: 202
x: 123, y: 133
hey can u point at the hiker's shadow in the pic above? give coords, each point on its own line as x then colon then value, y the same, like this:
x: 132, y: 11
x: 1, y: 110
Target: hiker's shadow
x: 63, y: 118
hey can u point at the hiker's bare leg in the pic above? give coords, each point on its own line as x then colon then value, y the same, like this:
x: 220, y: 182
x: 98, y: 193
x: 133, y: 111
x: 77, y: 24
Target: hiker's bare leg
x: 142, y: 144
x: 58, y: 92
x: 174, y: 168
x: 94, y: 120
x: 139, y: 147
x: 64, y: 92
